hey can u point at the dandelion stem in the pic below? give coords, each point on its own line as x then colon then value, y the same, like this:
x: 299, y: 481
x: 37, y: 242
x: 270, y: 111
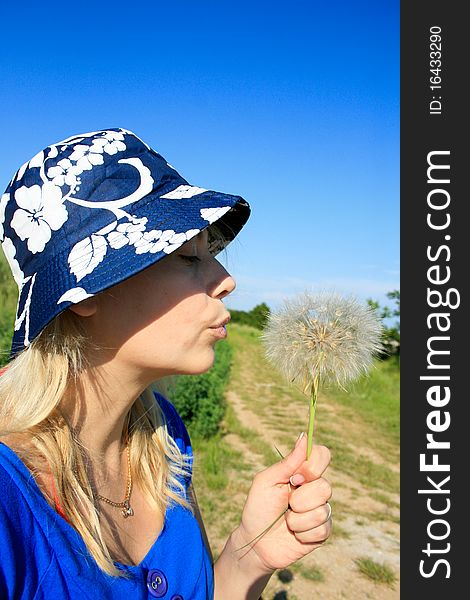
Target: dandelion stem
x: 311, y: 418
x: 263, y: 532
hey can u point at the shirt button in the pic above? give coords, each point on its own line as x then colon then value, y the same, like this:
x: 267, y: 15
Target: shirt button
x: 177, y: 597
x: 157, y: 583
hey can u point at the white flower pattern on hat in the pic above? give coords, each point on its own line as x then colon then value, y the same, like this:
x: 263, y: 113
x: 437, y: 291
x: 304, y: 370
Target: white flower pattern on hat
x: 212, y: 214
x: 112, y: 142
x: 75, y: 295
x: 174, y: 242
x: 184, y: 191
x: 41, y: 211
x: 87, y: 255
x: 151, y: 242
x: 64, y: 173
x: 87, y: 157
x: 10, y: 252
x: 25, y: 314
x: 126, y: 233
x: 37, y: 160
x: 157, y: 240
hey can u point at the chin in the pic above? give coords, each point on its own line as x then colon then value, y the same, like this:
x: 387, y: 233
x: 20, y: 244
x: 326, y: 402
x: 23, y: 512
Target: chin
x: 203, y: 363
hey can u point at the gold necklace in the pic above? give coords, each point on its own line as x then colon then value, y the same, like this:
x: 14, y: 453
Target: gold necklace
x: 127, y: 511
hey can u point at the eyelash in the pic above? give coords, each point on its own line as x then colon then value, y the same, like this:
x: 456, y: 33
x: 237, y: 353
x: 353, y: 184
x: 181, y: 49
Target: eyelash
x: 191, y: 259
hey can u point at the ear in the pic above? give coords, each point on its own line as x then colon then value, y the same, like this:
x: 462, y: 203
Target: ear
x: 85, y: 308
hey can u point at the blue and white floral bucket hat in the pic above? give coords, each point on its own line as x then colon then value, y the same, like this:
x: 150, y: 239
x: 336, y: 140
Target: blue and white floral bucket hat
x: 88, y: 212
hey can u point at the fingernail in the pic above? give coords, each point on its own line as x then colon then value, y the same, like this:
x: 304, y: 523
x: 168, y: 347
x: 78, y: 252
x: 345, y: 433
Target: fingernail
x: 297, y: 479
x: 299, y: 438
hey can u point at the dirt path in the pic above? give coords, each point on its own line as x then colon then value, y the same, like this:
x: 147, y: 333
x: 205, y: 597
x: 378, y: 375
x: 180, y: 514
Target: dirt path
x: 366, y: 521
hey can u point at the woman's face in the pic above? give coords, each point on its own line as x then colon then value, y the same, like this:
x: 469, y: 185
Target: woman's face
x: 161, y: 321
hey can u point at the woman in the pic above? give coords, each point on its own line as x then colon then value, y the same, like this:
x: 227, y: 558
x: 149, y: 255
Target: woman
x: 113, y: 252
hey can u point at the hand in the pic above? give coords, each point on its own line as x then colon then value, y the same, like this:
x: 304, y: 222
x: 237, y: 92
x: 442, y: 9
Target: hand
x: 307, y: 522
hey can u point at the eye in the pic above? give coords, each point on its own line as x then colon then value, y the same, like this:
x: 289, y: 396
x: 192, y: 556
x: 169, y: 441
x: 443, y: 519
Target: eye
x: 191, y: 259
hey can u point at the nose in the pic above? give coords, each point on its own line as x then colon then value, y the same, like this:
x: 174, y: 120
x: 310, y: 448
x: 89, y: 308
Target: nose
x: 223, y: 282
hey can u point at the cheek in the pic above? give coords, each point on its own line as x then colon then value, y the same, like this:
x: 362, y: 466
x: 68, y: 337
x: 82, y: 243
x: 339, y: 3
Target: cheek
x: 169, y: 326
x: 139, y: 317
x: 175, y: 343
x: 184, y: 322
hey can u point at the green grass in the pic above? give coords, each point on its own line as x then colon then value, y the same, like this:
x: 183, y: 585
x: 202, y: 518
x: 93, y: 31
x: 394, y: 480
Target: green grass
x: 379, y: 573
x: 368, y: 473
x: 312, y: 573
x: 384, y: 499
x: 215, y: 458
x: 213, y: 461
x: 383, y: 516
x: 377, y: 397
x: 256, y: 444
x: 340, y: 532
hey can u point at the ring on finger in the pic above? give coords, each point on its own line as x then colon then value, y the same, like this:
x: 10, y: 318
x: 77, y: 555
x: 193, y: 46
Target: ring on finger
x: 329, y: 511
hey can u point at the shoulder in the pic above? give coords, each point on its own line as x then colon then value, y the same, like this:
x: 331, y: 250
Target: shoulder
x: 22, y: 498
x: 15, y: 480
x: 11, y: 473
x: 13, y: 508
x: 19, y: 455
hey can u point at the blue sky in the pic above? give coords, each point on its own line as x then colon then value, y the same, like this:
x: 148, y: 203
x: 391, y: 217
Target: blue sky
x: 294, y: 106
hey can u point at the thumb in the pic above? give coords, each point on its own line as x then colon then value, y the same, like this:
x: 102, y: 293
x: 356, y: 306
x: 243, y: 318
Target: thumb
x: 282, y: 470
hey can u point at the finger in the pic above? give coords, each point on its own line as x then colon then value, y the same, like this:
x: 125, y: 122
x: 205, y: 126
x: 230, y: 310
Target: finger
x: 281, y: 471
x: 316, y: 535
x: 316, y: 465
x: 299, y: 522
x: 310, y: 495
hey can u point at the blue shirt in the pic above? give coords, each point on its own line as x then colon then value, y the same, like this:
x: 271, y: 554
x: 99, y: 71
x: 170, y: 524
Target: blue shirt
x: 43, y: 557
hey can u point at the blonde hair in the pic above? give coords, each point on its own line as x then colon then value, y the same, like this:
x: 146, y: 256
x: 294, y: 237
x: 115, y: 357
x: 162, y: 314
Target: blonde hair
x: 31, y: 389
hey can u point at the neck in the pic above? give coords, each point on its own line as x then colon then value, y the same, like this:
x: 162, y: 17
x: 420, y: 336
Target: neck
x: 96, y: 408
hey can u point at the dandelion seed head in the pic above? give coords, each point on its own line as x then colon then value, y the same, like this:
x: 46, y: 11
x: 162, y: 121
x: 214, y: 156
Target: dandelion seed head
x: 325, y: 336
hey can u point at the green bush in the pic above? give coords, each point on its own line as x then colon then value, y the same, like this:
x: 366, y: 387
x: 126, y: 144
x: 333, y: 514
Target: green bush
x: 256, y: 317
x: 199, y: 399
x: 391, y: 334
x: 8, y: 299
